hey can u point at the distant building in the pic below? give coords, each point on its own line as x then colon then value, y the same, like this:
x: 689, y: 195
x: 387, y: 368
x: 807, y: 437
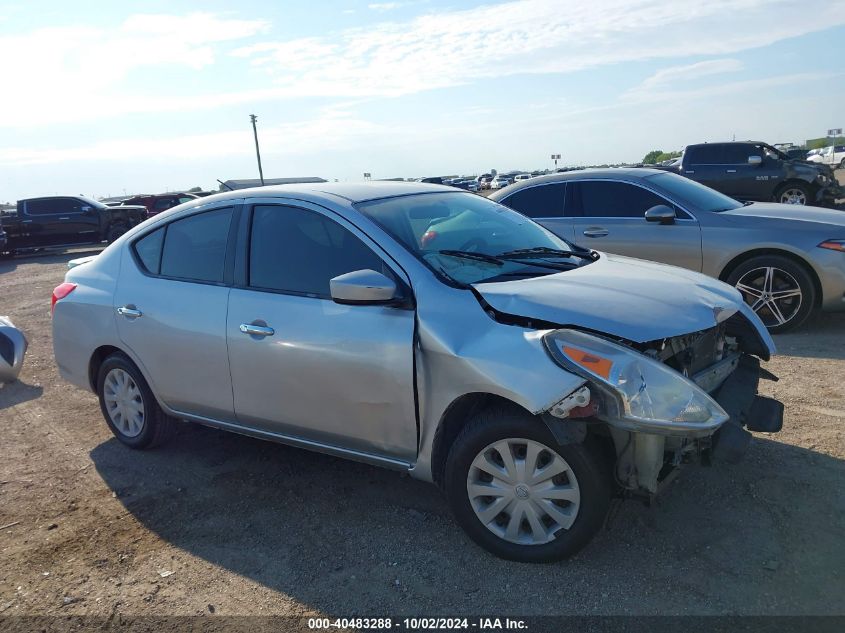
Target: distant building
x: 246, y: 183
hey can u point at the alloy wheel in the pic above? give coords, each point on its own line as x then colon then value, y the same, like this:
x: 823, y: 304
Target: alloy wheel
x: 793, y: 195
x: 523, y: 491
x: 772, y: 293
x: 124, y: 403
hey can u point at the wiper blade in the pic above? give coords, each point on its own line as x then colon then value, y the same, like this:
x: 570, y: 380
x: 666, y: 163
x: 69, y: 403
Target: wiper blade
x: 480, y: 257
x: 544, y: 251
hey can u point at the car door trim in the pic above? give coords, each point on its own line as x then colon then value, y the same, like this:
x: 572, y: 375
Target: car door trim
x: 292, y: 440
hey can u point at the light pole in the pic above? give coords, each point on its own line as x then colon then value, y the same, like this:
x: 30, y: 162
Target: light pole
x: 254, y: 118
x: 555, y: 158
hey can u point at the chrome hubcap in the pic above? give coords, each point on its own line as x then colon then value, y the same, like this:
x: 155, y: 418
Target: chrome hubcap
x: 772, y: 293
x: 793, y: 196
x: 124, y: 403
x: 523, y: 491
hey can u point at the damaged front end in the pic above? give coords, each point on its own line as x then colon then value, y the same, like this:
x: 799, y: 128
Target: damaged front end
x: 667, y: 401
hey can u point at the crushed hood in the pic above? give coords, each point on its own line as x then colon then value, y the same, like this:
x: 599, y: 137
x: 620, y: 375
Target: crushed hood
x: 629, y: 298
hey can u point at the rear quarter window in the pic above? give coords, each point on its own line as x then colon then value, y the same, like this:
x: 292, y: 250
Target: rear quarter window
x: 148, y: 250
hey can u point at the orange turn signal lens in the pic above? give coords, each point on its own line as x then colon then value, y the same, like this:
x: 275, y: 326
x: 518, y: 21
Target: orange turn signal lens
x: 595, y: 364
x: 834, y: 245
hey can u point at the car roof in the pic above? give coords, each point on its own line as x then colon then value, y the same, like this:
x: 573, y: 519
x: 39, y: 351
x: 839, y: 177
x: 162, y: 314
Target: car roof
x: 609, y: 173
x: 729, y: 143
x: 351, y: 192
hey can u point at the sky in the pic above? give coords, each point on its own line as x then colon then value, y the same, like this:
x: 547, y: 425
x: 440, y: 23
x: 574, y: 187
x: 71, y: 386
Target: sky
x: 105, y: 98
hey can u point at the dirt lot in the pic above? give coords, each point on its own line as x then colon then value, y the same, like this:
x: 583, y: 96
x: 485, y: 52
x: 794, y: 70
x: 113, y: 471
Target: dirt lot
x: 251, y: 527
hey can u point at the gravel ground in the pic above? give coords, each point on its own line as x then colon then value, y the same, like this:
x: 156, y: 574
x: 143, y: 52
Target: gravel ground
x: 214, y: 523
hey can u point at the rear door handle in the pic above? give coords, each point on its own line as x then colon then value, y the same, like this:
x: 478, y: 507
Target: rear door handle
x: 64, y: 218
x: 730, y: 171
x: 257, y: 330
x: 129, y: 312
x: 596, y: 232
x: 689, y: 171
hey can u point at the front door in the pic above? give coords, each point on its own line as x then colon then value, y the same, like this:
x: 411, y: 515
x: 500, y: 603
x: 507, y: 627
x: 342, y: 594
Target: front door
x: 170, y: 305
x: 610, y: 217
x: 336, y: 375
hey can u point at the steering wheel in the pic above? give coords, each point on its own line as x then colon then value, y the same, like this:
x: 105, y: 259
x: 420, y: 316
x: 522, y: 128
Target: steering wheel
x: 474, y: 245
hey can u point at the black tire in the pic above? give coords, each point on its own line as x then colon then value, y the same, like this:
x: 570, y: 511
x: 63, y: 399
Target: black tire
x: 789, y: 188
x: 157, y: 426
x: 115, y: 232
x: 586, y: 461
x: 799, y: 273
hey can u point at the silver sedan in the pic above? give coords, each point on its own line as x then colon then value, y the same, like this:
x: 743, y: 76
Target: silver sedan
x: 423, y: 329
x: 786, y: 260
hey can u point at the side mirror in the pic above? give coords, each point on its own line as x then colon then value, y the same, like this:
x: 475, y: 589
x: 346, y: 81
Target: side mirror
x: 362, y: 287
x: 660, y: 213
x: 755, y: 160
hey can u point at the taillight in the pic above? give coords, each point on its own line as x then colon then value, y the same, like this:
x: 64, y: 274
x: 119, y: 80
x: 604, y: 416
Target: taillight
x: 427, y: 237
x: 60, y: 292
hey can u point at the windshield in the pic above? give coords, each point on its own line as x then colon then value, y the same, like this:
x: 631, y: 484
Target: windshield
x: 689, y: 192
x: 470, y: 239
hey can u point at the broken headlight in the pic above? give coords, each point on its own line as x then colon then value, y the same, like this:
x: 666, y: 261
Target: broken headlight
x: 641, y: 394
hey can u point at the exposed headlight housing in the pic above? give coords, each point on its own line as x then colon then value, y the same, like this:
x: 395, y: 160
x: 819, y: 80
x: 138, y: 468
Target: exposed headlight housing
x: 642, y: 394
x: 823, y: 179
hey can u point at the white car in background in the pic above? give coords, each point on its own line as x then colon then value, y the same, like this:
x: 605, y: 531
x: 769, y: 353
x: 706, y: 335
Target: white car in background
x: 833, y: 155
x: 500, y: 181
x: 519, y: 177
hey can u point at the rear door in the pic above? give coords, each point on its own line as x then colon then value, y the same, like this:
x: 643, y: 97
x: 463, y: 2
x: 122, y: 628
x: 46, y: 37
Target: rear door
x: 336, y: 375
x: 171, y: 301
x: 612, y: 220
x: 544, y: 203
x: 41, y: 219
x: 704, y: 164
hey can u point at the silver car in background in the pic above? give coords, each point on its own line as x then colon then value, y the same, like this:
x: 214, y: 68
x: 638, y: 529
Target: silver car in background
x: 423, y: 329
x: 786, y: 260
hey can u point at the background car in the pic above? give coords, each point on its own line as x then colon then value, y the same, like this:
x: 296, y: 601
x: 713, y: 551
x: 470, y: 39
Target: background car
x: 786, y: 260
x: 500, y: 181
x: 519, y: 177
x: 158, y: 202
x: 757, y: 171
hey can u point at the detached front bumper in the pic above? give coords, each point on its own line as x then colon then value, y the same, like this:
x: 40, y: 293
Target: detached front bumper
x: 748, y: 411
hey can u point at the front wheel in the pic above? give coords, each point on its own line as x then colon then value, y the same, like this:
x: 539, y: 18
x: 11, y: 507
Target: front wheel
x: 778, y: 289
x: 521, y: 495
x: 794, y: 193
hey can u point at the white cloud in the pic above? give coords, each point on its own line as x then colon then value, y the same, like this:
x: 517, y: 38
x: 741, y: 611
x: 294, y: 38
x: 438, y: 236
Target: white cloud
x: 528, y: 36
x: 62, y: 73
x: 384, y: 6
x: 668, y: 77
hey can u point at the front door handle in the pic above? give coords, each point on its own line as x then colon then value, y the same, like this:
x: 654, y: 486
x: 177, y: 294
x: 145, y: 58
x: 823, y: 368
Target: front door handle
x: 257, y: 330
x: 67, y: 218
x: 730, y: 171
x: 596, y: 232
x: 689, y: 171
x: 129, y: 312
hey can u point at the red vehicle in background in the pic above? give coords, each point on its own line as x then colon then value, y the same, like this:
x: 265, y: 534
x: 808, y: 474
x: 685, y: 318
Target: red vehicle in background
x: 158, y: 202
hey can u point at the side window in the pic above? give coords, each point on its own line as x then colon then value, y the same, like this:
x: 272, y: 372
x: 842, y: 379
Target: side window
x: 148, y: 250
x: 608, y: 199
x: 704, y: 155
x: 195, y: 247
x: 184, y: 199
x: 539, y: 201
x: 162, y: 204
x: 738, y: 154
x: 298, y: 251
x: 43, y: 206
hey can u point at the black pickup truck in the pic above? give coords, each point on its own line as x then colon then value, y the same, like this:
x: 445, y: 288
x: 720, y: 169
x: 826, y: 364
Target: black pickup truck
x: 757, y: 171
x: 65, y: 221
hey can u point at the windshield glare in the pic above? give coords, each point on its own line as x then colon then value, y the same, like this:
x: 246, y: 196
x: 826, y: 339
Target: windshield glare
x: 427, y: 224
x: 688, y: 191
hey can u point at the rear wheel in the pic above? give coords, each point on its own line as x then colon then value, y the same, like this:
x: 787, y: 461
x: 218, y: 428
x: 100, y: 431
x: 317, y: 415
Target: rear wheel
x: 794, y: 193
x: 128, y: 405
x: 521, y: 495
x: 778, y: 289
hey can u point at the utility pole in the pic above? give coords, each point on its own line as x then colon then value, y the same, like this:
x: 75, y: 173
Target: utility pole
x: 254, y: 118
